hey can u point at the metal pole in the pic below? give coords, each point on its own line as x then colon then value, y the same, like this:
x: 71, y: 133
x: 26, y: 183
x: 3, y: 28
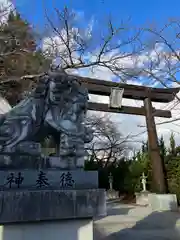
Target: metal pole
x: 159, y: 185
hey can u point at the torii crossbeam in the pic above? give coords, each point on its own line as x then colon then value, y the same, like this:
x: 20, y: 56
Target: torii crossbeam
x: 148, y: 95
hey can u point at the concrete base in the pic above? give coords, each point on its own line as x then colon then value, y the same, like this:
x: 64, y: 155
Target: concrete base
x: 50, y: 214
x: 163, y: 202
x: 112, y: 194
x: 62, y: 230
x: 142, y: 198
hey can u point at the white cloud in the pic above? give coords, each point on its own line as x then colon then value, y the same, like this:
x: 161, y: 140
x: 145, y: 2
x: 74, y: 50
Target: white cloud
x: 129, y: 125
x: 55, y: 46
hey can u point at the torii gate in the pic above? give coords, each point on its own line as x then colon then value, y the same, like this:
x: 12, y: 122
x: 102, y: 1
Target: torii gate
x: 148, y: 95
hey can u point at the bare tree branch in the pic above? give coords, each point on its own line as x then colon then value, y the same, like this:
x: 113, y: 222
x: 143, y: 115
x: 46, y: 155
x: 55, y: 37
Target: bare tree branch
x: 108, y: 144
x: 73, y: 46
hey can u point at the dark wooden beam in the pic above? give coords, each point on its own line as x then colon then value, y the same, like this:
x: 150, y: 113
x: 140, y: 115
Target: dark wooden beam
x: 159, y: 184
x: 101, y: 87
x: 127, y: 110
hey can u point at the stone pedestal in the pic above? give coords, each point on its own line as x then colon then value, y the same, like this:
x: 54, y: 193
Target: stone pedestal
x: 48, y: 179
x: 66, y: 230
x: 52, y: 204
x: 142, y: 198
x: 50, y: 214
x: 112, y: 194
x: 163, y: 202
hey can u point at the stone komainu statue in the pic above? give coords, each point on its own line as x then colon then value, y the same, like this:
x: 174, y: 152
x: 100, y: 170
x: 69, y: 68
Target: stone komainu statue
x: 57, y: 107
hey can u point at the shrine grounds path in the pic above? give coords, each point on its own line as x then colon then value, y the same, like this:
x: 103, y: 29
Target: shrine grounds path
x: 131, y: 222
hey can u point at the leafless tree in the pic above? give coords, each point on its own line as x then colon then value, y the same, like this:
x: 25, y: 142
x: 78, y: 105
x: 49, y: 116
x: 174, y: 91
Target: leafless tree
x: 75, y: 47
x: 149, y: 53
x: 5, y: 8
x: 163, y: 64
x: 123, y: 50
x: 109, y: 145
x: 160, y: 63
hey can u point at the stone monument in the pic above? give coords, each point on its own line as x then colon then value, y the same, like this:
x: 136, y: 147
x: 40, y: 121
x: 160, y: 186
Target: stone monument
x: 53, y: 196
x: 142, y: 197
x: 111, y: 181
x: 157, y: 202
x: 111, y: 193
x: 144, y: 181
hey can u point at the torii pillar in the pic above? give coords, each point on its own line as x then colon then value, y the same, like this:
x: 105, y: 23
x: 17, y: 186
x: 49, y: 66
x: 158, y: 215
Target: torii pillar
x: 159, y: 185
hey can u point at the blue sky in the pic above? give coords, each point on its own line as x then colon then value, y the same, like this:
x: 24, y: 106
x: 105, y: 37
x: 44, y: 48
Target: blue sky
x: 140, y: 11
